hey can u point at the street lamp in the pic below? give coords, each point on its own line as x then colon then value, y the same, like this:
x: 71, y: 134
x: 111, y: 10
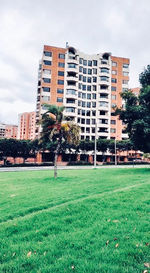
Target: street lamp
x: 95, y: 146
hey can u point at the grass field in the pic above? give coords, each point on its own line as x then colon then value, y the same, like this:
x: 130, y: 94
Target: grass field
x: 86, y: 221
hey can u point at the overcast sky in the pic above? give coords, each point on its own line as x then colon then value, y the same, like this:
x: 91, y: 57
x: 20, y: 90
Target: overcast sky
x: 92, y: 26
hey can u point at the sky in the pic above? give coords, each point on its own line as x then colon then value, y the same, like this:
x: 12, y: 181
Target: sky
x: 92, y: 26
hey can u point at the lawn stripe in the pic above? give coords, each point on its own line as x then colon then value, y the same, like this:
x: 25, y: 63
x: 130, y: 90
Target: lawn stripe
x: 29, y: 215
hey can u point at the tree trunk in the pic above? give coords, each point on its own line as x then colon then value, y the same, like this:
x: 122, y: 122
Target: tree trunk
x: 55, y: 160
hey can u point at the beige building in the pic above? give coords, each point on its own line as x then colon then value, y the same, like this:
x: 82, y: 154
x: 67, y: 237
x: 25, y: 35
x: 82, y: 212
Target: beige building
x: 8, y: 131
x: 26, y: 126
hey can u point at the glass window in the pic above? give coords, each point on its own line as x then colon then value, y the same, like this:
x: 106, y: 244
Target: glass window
x: 112, y: 130
x: 80, y: 68
x: 89, y: 79
x: 59, y: 99
x: 79, y: 111
x: 94, y: 71
x: 70, y: 109
x: 104, y: 70
x: 72, y: 91
x: 88, y: 113
x: 125, y: 82
x: 61, y: 64
x: 80, y: 61
x: 89, y: 71
x: 113, y: 105
x: 84, y: 87
x: 114, y: 72
x: 113, y: 121
x: 94, y: 79
x: 60, y: 91
x: 46, y: 80
x: 113, y: 97
x: 83, y: 103
x: 47, y: 62
x: 113, y: 80
x: 83, y: 96
x: 104, y: 78
x: 61, y: 56
x: 94, y: 62
x: 113, y: 88
x: 94, y: 96
x: 88, y: 104
x: 103, y: 104
x: 124, y: 89
x: 93, y: 104
x: 94, y: 87
x: 88, y: 121
x: 88, y: 87
x: 89, y: 63
x: 114, y: 64
x: 83, y: 112
x: 60, y: 82
x: 48, y: 53
x: 83, y: 121
x: 71, y: 65
x: 60, y: 73
x: 80, y: 77
x: 125, y: 73
x: 84, y: 62
x: 84, y: 78
x: 79, y: 120
x: 46, y: 89
x: 88, y: 96
x: 79, y: 102
x: 125, y: 65
x: 80, y: 85
x: 84, y: 70
x: 87, y: 129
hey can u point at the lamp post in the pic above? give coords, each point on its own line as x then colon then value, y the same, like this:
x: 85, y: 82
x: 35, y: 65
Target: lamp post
x: 95, y: 146
x: 115, y: 152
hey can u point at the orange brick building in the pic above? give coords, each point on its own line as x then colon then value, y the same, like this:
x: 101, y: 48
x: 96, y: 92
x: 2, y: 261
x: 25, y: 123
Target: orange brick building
x: 26, y: 126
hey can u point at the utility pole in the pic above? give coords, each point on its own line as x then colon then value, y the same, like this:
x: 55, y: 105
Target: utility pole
x: 95, y: 145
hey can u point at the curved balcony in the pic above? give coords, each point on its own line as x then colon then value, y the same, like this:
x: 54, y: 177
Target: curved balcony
x: 73, y: 61
x: 71, y: 78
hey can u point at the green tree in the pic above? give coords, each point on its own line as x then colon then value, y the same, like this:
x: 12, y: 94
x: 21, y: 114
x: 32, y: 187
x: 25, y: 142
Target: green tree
x: 136, y: 114
x: 57, y: 130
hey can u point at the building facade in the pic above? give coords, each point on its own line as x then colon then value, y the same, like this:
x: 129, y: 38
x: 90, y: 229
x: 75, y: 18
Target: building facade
x: 8, y: 131
x: 26, y: 126
x: 89, y: 87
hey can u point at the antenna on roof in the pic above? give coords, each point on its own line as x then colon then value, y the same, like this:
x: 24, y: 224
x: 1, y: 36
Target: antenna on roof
x: 67, y: 45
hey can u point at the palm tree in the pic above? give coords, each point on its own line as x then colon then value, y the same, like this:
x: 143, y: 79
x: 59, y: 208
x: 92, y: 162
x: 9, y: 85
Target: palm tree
x: 58, y: 130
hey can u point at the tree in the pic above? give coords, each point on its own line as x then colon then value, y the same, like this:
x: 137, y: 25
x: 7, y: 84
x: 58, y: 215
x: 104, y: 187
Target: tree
x: 57, y: 130
x: 136, y: 114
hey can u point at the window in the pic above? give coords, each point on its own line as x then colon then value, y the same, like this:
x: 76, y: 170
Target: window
x: 125, y: 65
x: 83, y: 121
x: 89, y: 71
x: 83, y: 112
x: 60, y: 91
x: 103, y: 104
x: 82, y: 129
x: 88, y: 104
x: 113, y: 88
x: 89, y: 63
x: 83, y: 96
x: 94, y: 62
x: 80, y: 61
x: 84, y: 62
x: 124, y: 89
x: 93, y: 130
x: 113, y: 105
x: 70, y: 101
x: 87, y: 129
x: 104, y: 78
x: 112, y: 130
x: 70, y: 109
x: 61, y: 56
x: 46, y: 80
x: 88, y: 87
x: 88, y: 96
x: 89, y: 79
x: 80, y: 77
x: 60, y: 73
x: 46, y: 89
x: 60, y: 82
x: 114, y: 64
x: 94, y: 113
x: 93, y: 104
x: 47, y: 71
x: 88, y: 113
x: 113, y: 97
x: 103, y: 96
x: 79, y: 111
x: 80, y: 68
x: 113, y: 121
x: 94, y: 96
x: 59, y: 99
x: 45, y: 98
x: 61, y: 64
x: 94, y: 79
x: 113, y: 80
x: 83, y: 103
x: 94, y: 87
x: 103, y: 121
x: 125, y: 73
x: 79, y: 102
x: 114, y: 72
x: 93, y: 121
x: 84, y: 79
x: 72, y: 92
x: 83, y: 87
x: 94, y: 71
x: 125, y: 82
x: 48, y: 53
x: 80, y: 85
x: 47, y: 62
x: 104, y: 70
x: 79, y: 94
x: 79, y: 120
x: 84, y: 70
x: 102, y: 113
x: 71, y: 65
x: 88, y: 121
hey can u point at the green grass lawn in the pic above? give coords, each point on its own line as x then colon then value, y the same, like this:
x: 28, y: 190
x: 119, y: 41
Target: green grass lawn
x: 85, y: 221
